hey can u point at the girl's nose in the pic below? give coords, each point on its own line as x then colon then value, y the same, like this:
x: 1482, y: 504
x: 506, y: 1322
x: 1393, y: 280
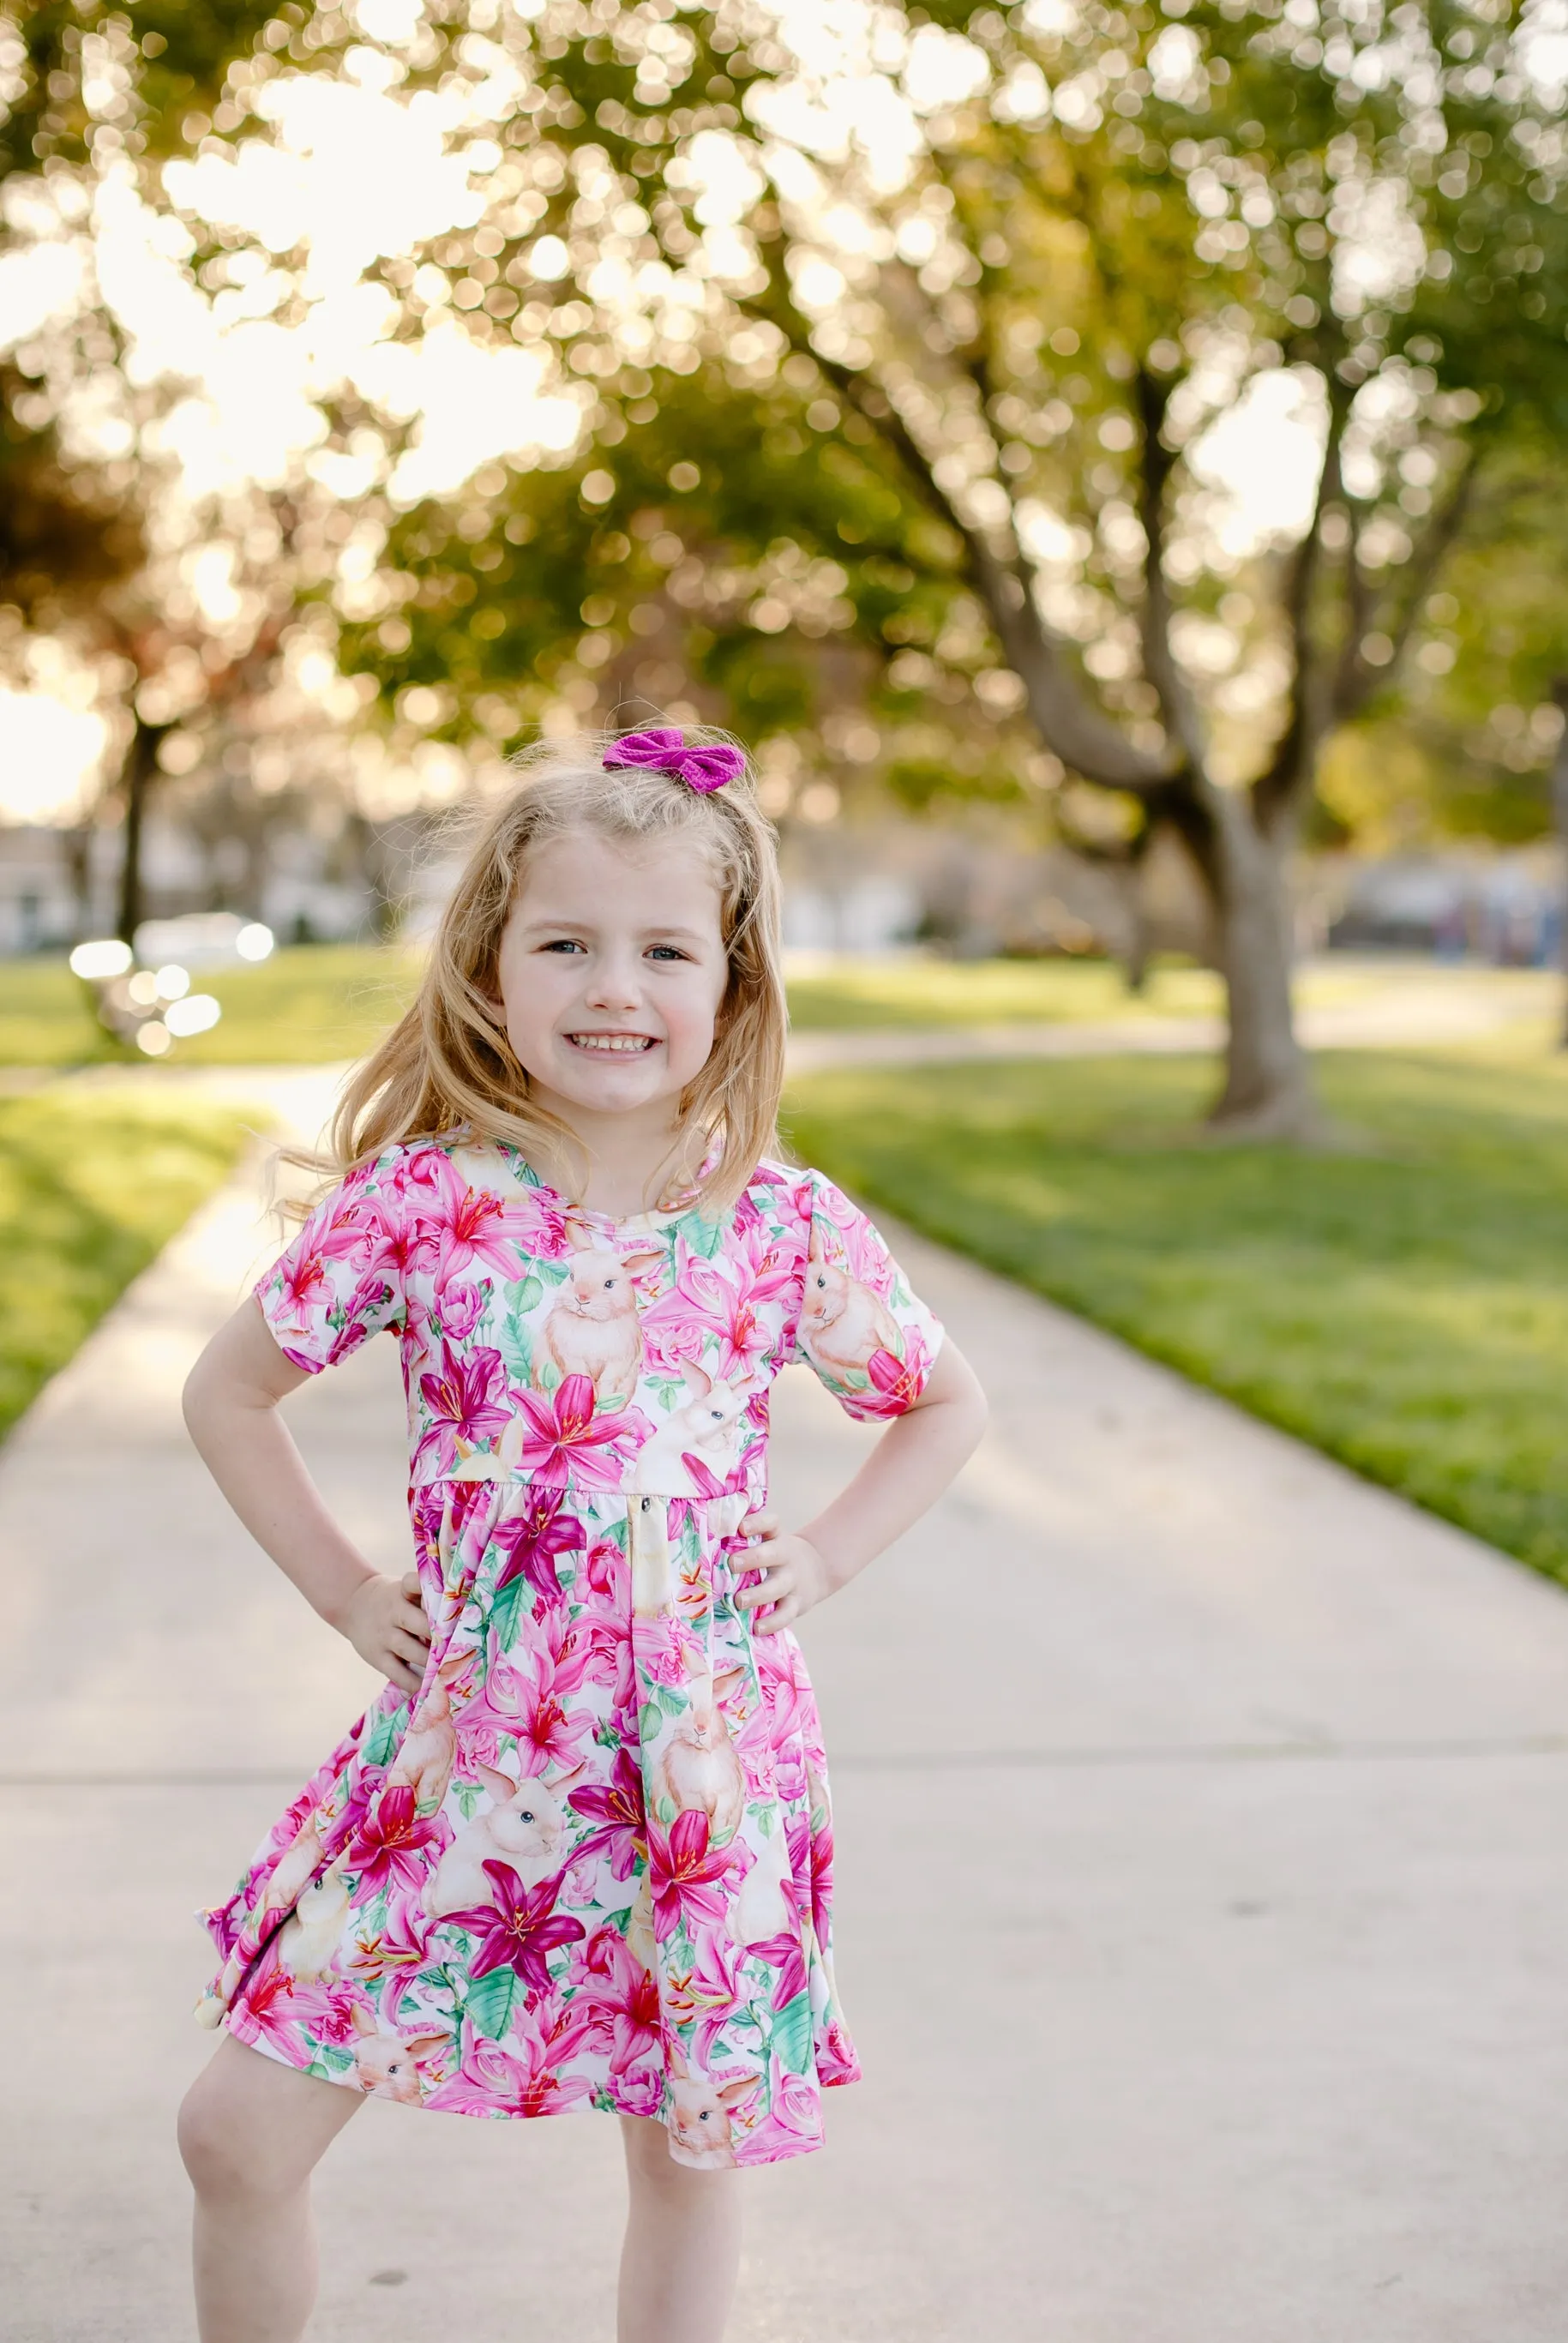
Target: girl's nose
x: 613, y: 984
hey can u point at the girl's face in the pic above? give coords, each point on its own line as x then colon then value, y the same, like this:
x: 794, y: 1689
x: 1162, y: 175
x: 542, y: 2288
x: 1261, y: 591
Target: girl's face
x: 611, y: 971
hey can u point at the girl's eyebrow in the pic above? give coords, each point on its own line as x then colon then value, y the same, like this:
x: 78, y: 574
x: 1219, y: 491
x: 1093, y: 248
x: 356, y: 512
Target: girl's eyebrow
x: 588, y: 927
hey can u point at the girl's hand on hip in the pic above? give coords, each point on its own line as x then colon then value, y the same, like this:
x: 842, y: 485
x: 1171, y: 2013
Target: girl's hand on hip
x: 385, y: 1621
x: 790, y: 1575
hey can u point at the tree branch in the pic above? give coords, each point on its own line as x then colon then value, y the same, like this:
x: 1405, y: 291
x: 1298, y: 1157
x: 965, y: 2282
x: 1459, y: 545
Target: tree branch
x: 1353, y: 680
x: 1422, y: 567
x: 1308, y: 717
x: 1070, y: 725
x: 1155, y: 466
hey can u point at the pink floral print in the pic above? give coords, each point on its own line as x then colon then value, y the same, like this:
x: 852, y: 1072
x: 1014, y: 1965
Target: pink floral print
x: 591, y: 1863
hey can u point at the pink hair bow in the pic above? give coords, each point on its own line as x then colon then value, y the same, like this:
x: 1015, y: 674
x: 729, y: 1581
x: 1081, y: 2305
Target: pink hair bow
x: 665, y: 751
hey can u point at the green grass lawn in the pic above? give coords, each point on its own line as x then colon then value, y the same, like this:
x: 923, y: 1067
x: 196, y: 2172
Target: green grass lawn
x: 90, y: 1188
x: 301, y: 1007
x: 308, y: 1005
x: 1404, y: 1307
x: 913, y: 992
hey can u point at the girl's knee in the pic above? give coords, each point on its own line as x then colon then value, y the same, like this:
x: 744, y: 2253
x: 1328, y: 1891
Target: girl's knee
x: 247, y: 2128
x: 216, y: 2148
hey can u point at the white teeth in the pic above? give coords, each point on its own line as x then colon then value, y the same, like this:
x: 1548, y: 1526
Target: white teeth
x: 623, y: 1044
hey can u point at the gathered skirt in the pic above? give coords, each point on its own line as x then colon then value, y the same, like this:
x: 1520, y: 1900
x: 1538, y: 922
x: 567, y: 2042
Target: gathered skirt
x: 589, y: 1865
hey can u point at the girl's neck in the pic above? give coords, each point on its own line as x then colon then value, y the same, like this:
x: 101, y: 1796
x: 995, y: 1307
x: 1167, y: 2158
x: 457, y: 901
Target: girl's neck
x: 630, y: 1157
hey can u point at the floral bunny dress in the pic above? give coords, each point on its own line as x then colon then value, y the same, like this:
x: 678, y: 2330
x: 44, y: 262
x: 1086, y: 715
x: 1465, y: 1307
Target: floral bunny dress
x: 591, y: 1863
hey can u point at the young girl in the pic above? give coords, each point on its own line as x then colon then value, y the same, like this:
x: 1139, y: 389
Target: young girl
x: 578, y: 1851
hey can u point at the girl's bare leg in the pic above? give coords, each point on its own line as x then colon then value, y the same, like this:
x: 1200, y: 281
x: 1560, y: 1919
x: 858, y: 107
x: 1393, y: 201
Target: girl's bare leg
x: 251, y: 2132
x: 682, y: 2250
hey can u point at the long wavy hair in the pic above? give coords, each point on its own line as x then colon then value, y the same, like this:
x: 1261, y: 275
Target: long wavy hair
x: 448, y: 1066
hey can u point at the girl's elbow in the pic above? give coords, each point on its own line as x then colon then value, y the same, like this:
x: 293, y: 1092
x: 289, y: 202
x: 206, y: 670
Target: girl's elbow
x: 194, y: 1397
x: 210, y: 1388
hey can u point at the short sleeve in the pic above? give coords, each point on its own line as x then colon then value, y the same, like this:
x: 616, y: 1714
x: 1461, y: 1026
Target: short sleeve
x: 341, y: 1279
x: 862, y: 1330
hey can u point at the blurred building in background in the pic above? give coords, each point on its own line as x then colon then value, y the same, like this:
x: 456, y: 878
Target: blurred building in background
x: 855, y: 885
x: 367, y: 882
x: 1505, y: 908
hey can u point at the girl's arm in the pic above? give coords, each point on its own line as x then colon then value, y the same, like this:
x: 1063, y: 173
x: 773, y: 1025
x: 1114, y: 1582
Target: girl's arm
x: 231, y: 1399
x: 902, y: 1477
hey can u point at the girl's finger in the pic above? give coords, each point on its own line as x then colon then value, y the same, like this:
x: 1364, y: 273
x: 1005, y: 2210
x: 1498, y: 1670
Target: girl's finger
x: 408, y: 1649
x: 411, y: 1584
x: 764, y: 1524
x: 413, y: 1621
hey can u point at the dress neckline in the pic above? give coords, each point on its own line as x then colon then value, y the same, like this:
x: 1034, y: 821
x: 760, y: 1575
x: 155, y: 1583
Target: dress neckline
x: 651, y: 1217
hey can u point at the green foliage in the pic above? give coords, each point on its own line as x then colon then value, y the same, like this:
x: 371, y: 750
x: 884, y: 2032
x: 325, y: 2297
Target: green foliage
x: 775, y: 515
x: 1401, y: 1307
x: 156, y: 64
x: 91, y: 1187
x: 385, y: 1731
x: 488, y: 2007
x: 1470, y: 753
x: 773, y: 583
x: 789, y: 2037
x: 67, y: 527
x: 63, y: 533
x: 1488, y: 722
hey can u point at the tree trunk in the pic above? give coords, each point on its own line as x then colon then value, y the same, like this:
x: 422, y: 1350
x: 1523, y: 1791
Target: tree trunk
x: 136, y: 778
x: 78, y: 850
x: 1268, y: 1089
x: 1559, y: 808
x: 1139, y: 942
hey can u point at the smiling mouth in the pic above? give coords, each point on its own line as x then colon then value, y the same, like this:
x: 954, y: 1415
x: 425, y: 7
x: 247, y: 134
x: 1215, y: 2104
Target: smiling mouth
x: 614, y: 1045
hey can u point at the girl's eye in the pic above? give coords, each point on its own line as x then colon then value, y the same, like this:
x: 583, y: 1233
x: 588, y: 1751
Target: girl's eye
x: 562, y: 944
x: 665, y: 952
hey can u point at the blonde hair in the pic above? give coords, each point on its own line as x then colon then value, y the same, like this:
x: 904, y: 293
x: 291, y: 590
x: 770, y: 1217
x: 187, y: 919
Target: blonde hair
x: 447, y: 1065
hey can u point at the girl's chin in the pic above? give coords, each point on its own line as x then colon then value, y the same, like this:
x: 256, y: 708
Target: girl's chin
x: 616, y: 1090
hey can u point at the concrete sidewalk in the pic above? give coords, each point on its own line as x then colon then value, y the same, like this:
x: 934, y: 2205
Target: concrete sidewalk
x: 1203, y: 1891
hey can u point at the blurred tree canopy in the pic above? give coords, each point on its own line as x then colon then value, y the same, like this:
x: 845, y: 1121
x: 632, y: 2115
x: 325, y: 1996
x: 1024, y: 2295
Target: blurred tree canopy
x: 1485, y: 713
x: 909, y: 353
x: 94, y: 101
x: 897, y: 362
x: 85, y: 90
